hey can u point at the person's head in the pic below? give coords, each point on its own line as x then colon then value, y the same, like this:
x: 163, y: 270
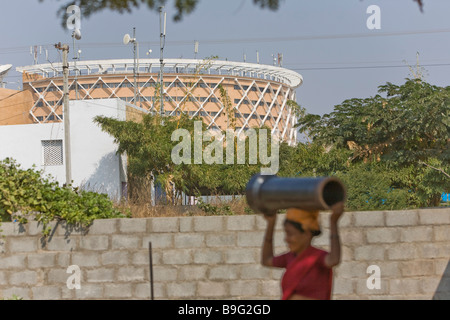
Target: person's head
x: 300, y: 228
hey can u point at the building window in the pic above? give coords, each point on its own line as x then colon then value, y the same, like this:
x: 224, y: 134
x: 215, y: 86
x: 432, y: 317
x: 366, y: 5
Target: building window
x: 52, y: 152
x: 40, y: 119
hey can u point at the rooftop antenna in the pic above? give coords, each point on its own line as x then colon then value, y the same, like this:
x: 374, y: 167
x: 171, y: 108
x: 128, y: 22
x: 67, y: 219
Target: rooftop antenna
x: 126, y: 40
x: 34, y: 53
x: 257, y: 56
x: 245, y: 57
x: 76, y: 35
x: 196, y: 45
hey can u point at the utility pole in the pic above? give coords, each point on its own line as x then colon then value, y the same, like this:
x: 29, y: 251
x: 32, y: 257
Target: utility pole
x: 162, y: 27
x: 67, y: 153
x: 135, y: 67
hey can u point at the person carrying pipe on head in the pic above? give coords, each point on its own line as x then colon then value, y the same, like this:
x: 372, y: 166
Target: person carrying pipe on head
x: 309, y: 271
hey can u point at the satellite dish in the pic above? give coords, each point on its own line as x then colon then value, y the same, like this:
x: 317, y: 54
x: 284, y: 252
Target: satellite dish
x: 77, y: 34
x: 126, y: 39
x: 5, y: 69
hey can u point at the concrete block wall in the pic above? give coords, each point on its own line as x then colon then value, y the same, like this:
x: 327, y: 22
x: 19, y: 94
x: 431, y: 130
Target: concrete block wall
x: 218, y: 258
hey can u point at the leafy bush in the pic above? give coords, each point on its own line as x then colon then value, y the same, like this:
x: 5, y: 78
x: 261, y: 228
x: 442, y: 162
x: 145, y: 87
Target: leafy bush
x: 25, y: 194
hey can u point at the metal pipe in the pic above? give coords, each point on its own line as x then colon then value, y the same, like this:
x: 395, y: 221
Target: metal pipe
x: 268, y: 194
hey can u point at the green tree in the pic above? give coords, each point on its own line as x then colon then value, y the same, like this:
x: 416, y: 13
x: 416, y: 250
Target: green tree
x: 406, y: 126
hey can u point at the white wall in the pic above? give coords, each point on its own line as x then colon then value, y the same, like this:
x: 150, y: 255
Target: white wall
x: 95, y: 164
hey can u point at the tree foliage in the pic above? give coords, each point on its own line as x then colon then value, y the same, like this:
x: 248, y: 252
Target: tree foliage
x: 406, y: 127
x: 26, y: 194
x: 182, y: 7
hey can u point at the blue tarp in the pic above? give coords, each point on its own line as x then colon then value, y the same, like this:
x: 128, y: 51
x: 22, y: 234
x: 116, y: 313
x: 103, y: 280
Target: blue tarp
x: 446, y: 197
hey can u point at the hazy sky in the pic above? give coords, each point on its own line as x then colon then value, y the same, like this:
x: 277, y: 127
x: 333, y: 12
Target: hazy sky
x: 326, y: 41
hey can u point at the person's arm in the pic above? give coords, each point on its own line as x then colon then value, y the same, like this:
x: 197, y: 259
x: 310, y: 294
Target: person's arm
x: 267, y: 250
x: 334, y: 257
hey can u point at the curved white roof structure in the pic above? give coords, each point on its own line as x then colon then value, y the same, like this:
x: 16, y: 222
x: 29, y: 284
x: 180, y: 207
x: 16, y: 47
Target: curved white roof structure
x: 186, y: 66
x: 4, y: 69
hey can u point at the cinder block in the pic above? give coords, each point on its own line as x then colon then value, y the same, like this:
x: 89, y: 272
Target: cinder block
x: 115, y: 258
x: 12, y: 262
x: 186, y: 224
x: 28, y: 278
x: 69, y: 230
x: 207, y: 256
x: 118, y: 291
x: 369, y: 219
x: 352, y: 270
x: 58, y: 276
x: 89, y: 292
x: 402, y: 218
x: 212, y: 289
x: 352, y: 236
x: 441, y: 233
x: 241, y: 223
x: 165, y: 225
x: 430, y: 285
x: 41, y: 260
x: 181, y: 257
x: 46, y: 293
x: 271, y: 288
x: 441, y: 266
x: 181, y: 290
x: 250, y: 239
x: 402, y: 252
x: 133, y: 226
x: 63, y: 260
x: 165, y: 274
x: 124, y: 242
x: 389, y: 269
x: 86, y: 259
x: 404, y: 287
x: 191, y: 273
x: 242, y: 256
x: 36, y: 228
x: 369, y: 253
x: 251, y: 272
x: 244, y: 288
x: 383, y: 235
x: 62, y: 244
x: 159, y: 241
x: 100, y: 275
x: 342, y: 286
x: 103, y: 227
x: 142, y: 291
x: 362, y: 288
x: 95, y: 243
x: 131, y: 274
x: 434, y: 217
x: 224, y: 273
x: 416, y: 234
x: 209, y: 224
x: 21, y: 292
x: 221, y: 240
x: 11, y: 229
x: 3, y: 278
x: 189, y: 240
x: 142, y: 258
x: 417, y: 268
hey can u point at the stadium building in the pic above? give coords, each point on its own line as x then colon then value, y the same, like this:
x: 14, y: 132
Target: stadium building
x: 225, y: 94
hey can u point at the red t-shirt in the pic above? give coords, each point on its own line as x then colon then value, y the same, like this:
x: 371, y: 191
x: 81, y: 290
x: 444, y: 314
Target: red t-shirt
x: 316, y: 282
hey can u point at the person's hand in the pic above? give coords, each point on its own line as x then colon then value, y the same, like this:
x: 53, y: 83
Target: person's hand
x: 337, y: 211
x: 272, y: 218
